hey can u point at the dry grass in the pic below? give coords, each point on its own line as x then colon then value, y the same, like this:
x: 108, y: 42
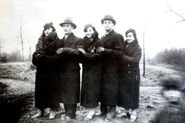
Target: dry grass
x: 20, y: 79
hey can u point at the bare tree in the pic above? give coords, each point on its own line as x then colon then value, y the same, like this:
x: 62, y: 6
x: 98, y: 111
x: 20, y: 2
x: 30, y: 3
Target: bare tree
x: 21, y: 38
x: 30, y: 53
x: 1, y: 49
x: 172, y: 11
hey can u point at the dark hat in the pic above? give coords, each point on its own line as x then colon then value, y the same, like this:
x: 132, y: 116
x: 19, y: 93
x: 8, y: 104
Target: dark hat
x: 48, y: 25
x: 174, y: 82
x: 87, y: 26
x: 68, y: 21
x: 108, y: 17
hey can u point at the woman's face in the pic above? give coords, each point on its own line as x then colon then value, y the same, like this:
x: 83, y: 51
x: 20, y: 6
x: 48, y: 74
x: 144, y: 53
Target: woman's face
x: 47, y: 31
x: 130, y: 37
x: 89, y: 32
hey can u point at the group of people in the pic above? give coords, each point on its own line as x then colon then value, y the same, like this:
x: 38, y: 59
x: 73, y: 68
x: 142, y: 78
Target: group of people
x: 110, y: 71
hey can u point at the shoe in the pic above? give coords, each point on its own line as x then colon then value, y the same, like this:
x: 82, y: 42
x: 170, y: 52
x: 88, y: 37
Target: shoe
x: 52, y: 114
x: 122, y: 114
x: 47, y: 110
x: 97, y: 113
x: 102, y: 115
x: 89, y: 117
x: 65, y: 117
x: 133, y: 116
x: 108, y: 118
x: 39, y: 114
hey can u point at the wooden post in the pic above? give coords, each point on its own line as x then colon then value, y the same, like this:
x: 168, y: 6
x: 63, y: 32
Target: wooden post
x: 144, y: 54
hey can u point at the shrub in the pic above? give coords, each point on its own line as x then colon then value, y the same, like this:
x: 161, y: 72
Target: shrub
x: 171, y: 56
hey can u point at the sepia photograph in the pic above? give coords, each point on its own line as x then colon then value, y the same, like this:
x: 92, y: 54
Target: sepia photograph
x: 92, y: 61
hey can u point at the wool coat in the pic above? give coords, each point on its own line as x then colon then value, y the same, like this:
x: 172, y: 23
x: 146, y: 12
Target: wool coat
x: 128, y: 92
x: 110, y: 77
x: 69, y: 69
x: 92, y: 71
x: 46, y: 81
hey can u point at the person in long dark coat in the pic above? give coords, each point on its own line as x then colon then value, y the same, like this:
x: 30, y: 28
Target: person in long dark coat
x: 128, y: 93
x: 46, y: 83
x: 173, y: 92
x: 92, y: 71
x: 112, y: 49
x: 70, y: 72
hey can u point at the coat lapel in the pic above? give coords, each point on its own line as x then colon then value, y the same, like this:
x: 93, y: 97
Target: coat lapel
x: 69, y: 41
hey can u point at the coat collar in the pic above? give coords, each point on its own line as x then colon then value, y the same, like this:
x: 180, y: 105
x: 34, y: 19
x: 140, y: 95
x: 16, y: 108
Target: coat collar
x: 68, y: 37
x: 110, y: 32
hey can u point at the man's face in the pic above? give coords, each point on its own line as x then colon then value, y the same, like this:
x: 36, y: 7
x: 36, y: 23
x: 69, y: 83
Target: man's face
x: 108, y: 25
x: 68, y: 28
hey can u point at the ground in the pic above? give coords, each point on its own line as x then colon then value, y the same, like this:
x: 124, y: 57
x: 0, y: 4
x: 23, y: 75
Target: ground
x: 19, y: 78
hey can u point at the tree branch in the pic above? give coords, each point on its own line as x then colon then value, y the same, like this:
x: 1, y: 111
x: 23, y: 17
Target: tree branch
x: 176, y: 13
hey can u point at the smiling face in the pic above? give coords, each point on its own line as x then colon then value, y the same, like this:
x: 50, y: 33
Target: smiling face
x: 108, y: 25
x: 89, y: 32
x: 47, y: 31
x: 130, y: 37
x: 68, y: 28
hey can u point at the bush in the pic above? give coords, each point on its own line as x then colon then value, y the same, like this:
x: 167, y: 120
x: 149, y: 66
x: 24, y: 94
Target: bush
x: 3, y: 57
x: 14, y: 56
x: 171, y: 56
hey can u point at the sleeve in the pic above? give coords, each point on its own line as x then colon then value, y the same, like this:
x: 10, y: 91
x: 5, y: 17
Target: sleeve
x: 38, y: 54
x: 133, y: 59
x: 72, y: 54
x: 39, y: 45
x: 92, y: 57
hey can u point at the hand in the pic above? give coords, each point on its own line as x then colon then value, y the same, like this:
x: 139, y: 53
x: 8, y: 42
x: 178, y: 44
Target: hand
x: 59, y: 51
x: 38, y: 55
x: 81, y: 50
x: 100, y: 49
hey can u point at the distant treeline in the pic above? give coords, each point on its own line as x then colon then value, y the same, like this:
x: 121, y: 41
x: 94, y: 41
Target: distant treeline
x: 14, y: 56
x: 171, y: 56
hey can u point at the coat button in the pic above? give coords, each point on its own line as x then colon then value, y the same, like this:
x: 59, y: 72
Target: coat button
x: 128, y: 65
x: 129, y: 72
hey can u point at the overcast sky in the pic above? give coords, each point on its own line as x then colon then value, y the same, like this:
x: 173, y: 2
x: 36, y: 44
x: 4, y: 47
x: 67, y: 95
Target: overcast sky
x: 151, y: 16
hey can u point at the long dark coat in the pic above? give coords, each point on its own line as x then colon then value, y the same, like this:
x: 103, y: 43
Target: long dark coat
x: 113, y: 48
x: 128, y: 95
x: 70, y: 70
x: 170, y: 113
x: 46, y: 81
x: 92, y: 71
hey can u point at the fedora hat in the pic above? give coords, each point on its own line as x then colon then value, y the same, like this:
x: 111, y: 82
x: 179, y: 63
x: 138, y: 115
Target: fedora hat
x: 108, y: 17
x: 68, y: 21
